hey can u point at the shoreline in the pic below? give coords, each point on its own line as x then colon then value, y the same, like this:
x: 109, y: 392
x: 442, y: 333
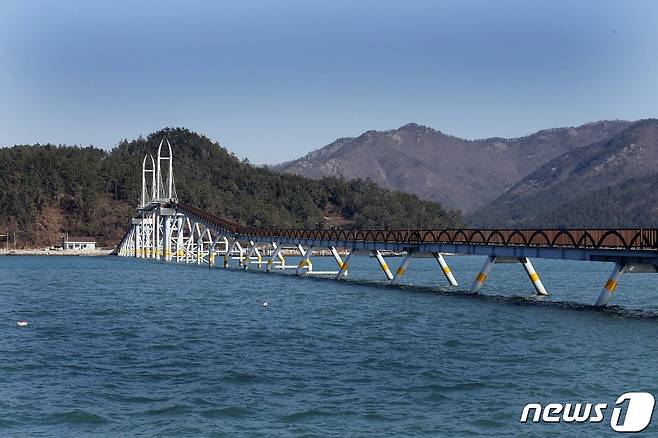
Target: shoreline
x: 44, y: 252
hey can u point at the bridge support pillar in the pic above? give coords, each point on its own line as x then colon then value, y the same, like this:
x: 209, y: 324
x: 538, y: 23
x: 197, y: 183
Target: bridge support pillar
x: 142, y: 241
x: 534, y: 278
x: 127, y: 245
x: 259, y: 257
x: 146, y: 240
x: 342, y: 272
x: 230, y: 247
x: 282, y: 259
x: 166, y: 238
x: 276, y: 250
x: 142, y: 238
x: 339, y: 260
x: 610, y: 285
x: 307, y: 263
x: 383, y: 264
x: 527, y: 265
x: 212, y: 250
x: 446, y: 269
x: 152, y: 237
x: 241, y: 252
x: 179, y: 239
x: 133, y: 242
x: 137, y: 243
x: 136, y: 236
x: 156, y: 237
x: 403, y: 268
x: 306, y: 260
x: 199, y: 245
x: 250, y: 252
x: 189, y: 245
x: 482, y: 276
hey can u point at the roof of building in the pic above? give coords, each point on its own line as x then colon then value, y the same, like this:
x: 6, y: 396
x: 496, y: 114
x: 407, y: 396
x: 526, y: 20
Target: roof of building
x: 79, y: 239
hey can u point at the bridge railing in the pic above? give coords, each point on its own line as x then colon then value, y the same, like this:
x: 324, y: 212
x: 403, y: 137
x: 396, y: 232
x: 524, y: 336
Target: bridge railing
x: 622, y: 238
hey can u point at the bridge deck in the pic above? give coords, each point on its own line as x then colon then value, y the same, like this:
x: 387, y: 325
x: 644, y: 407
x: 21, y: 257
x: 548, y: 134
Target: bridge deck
x: 174, y: 231
x: 631, y: 245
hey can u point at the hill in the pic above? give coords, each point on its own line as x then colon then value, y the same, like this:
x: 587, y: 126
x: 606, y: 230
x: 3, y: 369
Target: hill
x: 458, y: 173
x: 610, y: 183
x: 46, y: 190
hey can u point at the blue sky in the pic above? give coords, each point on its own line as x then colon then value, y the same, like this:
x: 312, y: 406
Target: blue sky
x: 272, y: 80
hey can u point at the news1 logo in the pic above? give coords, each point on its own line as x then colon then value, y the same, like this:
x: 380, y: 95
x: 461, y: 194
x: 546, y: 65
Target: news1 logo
x: 636, y: 416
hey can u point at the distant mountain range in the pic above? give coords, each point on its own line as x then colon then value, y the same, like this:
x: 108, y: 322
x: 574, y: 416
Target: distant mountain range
x: 601, y: 174
x: 610, y: 183
x: 598, y: 174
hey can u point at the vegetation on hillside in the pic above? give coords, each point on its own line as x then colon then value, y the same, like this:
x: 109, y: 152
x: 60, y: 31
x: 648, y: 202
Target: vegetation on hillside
x: 46, y: 190
x: 609, y: 184
x: 456, y: 172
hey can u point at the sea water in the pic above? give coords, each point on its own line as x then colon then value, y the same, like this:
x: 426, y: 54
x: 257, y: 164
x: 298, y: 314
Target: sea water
x: 125, y: 347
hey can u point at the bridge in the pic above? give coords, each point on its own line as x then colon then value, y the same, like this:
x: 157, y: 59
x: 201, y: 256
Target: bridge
x: 164, y: 229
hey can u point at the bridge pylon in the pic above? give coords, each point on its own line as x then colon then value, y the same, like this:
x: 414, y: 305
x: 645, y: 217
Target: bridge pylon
x: 165, y: 188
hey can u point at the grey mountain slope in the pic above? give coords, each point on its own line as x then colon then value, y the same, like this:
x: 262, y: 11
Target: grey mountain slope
x: 605, y: 184
x: 458, y: 173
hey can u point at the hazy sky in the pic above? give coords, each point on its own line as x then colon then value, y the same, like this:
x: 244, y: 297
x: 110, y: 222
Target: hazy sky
x: 272, y: 80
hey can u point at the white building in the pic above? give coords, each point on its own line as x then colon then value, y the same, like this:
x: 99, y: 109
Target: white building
x: 77, y: 242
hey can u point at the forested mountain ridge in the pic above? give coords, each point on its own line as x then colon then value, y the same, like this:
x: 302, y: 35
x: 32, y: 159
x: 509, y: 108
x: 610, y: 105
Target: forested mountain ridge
x: 611, y: 183
x: 458, y: 173
x: 46, y: 190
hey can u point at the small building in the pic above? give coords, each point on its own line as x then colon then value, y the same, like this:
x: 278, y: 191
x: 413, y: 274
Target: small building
x: 78, y: 242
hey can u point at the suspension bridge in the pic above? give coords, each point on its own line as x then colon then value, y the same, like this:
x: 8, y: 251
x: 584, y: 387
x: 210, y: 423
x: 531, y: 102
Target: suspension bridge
x: 164, y: 229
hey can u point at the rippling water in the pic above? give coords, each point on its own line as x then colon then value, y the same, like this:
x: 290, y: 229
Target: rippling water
x: 117, y: 346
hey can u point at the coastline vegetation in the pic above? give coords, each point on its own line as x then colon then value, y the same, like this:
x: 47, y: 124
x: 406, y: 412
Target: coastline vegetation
x: 46, y: 190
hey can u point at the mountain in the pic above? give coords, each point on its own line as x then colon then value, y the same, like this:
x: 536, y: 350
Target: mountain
x: 458, y: 173
x: 611, y: 183
x: 46, y: 190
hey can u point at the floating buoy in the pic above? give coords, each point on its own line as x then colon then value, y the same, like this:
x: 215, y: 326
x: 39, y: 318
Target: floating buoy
x: 22, y: 323
x: 265, y: 304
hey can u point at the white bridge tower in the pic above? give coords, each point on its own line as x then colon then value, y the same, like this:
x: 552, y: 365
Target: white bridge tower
x: 156, y: 221
x: 165, y: 190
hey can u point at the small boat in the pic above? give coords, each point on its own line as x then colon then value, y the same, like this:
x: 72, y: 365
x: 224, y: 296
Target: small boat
x: 22, y: 323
